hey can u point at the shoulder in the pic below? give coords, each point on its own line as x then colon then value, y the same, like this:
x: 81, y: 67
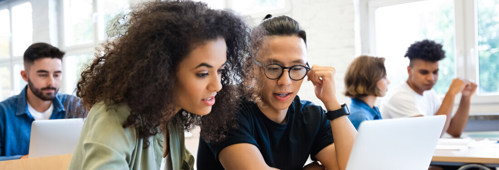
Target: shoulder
x: 11, y: 101
x: 65, y: 98
x: 401, y: 95
x: 100, y: 111
x: 247, y: 111
x: 104, y: 122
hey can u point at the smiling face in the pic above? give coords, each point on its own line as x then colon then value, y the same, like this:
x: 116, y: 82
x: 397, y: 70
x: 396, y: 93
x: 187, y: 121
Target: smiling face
x: 422, y: 75
x: 43, y: 77
x: 277, y: 95
x: 199, y: 77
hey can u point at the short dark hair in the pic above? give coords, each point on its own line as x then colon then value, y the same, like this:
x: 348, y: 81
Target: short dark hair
x: 280, y: 26
x: 362, y: 76
x: 426, y: 50
x: 41, y: 50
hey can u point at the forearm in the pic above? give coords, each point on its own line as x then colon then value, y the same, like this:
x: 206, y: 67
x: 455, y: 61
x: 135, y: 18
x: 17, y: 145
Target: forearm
x: 458, y: 122
x: 446, y: 109
x: 344, y: 136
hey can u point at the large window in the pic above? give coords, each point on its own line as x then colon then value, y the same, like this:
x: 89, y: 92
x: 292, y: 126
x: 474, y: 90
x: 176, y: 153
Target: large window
x: 468, y: 30
x: 253, y: 8
x: 488, y: 46
x: 16, y: 32
x: 398, y: 26
x: 85, y: 25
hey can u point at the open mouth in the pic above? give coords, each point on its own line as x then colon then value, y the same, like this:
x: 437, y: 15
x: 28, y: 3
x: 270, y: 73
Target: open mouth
x: 282, y: 96
x: 210, y: 101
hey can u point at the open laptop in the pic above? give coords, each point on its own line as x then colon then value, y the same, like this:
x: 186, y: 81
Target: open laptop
x: 393, y: 144
x: 54, y: 137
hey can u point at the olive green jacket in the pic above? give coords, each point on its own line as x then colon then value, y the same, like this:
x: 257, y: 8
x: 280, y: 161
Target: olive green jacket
x: 105, y: 144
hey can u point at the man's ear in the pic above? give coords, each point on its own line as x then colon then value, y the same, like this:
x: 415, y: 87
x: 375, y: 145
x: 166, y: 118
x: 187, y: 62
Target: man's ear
x: 24, y: 75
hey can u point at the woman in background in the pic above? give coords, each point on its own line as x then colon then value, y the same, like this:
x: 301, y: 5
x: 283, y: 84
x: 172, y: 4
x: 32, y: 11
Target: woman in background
x: 365, y: 81
x: 157, y: 78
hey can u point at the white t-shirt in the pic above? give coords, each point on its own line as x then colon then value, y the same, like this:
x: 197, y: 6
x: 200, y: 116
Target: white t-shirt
x: 405, y: 102
x: 41, y: 115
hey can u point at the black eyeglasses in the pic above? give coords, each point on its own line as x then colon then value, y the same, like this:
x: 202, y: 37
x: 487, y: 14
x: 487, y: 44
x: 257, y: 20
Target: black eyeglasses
x: 274, y: 71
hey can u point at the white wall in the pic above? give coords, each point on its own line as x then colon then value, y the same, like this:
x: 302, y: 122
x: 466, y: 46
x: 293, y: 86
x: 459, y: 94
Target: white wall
x: 330, y: 37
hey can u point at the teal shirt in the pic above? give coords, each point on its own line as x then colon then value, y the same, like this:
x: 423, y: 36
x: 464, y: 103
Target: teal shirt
x: 105, y: 144
x: 360, y: 111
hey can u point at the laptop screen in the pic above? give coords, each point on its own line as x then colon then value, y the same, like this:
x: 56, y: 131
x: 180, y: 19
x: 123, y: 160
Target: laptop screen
x: 54, y: 137
x: 403, y: 143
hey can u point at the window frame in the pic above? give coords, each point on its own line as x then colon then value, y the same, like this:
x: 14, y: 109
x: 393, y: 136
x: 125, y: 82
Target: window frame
x: 12, y: 60
x: 466, y: 59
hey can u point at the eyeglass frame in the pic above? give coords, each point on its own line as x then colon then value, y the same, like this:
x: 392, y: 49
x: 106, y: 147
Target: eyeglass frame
x: 307, y: 69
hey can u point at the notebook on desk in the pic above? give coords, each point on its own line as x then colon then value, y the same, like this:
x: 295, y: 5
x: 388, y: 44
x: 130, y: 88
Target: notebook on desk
x: 54, y: 137
x: 393, y: 144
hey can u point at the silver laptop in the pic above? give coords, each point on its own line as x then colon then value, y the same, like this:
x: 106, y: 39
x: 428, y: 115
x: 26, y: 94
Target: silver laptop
x: 54, y: 137
x: 394, y: 144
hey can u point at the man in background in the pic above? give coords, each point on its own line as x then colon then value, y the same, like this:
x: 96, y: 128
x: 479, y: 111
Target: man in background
x: 39, y: 100
x: 416, y: 97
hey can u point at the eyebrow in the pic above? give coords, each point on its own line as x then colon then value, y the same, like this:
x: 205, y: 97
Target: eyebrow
x: 298, y: 61
x: 45, y: 71
x: 42, y: 71
x: 204, y: 65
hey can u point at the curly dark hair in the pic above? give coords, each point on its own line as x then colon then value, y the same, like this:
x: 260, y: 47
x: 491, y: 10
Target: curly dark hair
x: 426, y: 50
x: 41, y: 50
x: 138, y: 67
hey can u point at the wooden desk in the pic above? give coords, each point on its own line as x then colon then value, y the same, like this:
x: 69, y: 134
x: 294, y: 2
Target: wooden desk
x: 481, y: 153
x: 481, y: 156
x: 59, y: 162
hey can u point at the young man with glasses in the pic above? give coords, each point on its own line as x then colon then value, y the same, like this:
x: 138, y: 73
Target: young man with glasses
x: 275, y: 128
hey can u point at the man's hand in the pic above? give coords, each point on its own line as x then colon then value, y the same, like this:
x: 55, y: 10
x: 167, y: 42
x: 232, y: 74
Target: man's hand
x: 323, y: 79
x: 469, y: 89
x: 457, y: 86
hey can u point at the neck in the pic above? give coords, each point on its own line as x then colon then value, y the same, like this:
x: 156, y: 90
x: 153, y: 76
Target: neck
x: 420, y: 92
x: 37, y: 103
x: 278, y: 116
x: 369, y: 100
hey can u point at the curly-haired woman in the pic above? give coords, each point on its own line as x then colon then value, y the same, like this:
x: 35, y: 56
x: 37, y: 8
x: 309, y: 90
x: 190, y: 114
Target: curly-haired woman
x: 156, y: 79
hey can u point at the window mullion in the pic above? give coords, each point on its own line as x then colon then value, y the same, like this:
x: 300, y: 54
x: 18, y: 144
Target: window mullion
x: 471, y: 53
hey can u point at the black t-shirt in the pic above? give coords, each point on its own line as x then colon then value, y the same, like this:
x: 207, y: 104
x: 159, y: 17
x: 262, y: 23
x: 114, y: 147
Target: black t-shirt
x: 288, y: 146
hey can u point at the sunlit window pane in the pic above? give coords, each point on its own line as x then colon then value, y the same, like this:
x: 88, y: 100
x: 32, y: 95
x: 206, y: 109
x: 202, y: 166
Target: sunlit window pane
x: 19, y: 82
x: 4, y: 34
x: 488, y: 45
x: 73, y: 66
x: 5, y: 82
x: 398, y: 26
x: 110, y: 12
x: 22, y: 28
x: 78, y: 22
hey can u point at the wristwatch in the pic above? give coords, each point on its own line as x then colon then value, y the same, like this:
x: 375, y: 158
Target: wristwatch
x: 331, y: 115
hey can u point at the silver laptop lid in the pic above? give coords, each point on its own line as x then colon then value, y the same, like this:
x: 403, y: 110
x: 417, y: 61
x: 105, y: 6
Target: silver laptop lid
x: 393, y: 144
x: 54, y: 137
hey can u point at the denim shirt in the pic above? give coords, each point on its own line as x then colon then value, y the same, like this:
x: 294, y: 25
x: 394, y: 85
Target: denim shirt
x: 360, y: 111
x: 15, y: 121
